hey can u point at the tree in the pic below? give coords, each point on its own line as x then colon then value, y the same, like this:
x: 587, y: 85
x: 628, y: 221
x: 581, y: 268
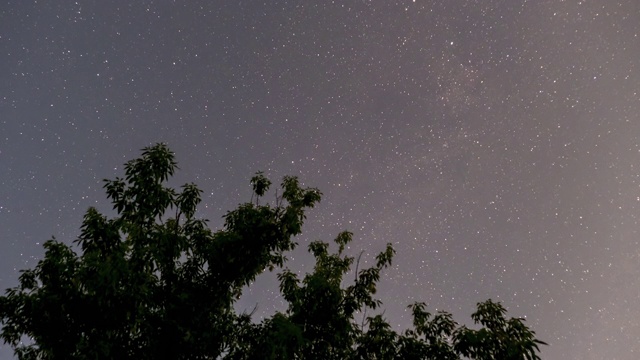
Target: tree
x: 148, y: 285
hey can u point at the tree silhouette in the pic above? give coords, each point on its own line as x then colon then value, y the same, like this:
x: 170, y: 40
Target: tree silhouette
x: 156, y: 283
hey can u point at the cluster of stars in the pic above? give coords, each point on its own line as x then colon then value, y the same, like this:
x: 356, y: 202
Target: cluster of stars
x: 493, y: 144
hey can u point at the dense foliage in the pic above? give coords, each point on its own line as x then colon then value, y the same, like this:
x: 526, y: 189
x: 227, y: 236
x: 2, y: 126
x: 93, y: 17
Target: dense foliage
x: 157, y: 283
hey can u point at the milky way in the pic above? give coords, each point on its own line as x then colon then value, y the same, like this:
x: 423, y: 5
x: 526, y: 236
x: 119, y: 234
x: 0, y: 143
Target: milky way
x: 494, y: 143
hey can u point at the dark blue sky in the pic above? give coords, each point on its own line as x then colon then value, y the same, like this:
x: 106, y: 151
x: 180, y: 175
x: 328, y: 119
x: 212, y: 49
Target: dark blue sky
x: 494, y: 143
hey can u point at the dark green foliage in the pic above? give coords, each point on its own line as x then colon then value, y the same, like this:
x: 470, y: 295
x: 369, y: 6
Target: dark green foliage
x: 499, y: 339
x: 148, y: 286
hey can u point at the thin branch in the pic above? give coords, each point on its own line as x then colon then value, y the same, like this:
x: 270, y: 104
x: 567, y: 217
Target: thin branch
x: 364, y: 314
x: 255, y: 308
x: 278, y: 199
x: 358, y: 265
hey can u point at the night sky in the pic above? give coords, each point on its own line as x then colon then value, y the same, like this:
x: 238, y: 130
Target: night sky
x: 495, y: 143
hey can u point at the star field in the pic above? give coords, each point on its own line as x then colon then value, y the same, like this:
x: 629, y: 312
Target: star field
x: 495, y: 143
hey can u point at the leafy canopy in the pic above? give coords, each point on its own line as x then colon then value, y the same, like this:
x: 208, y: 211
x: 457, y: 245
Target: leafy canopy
x: 156, y: 283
